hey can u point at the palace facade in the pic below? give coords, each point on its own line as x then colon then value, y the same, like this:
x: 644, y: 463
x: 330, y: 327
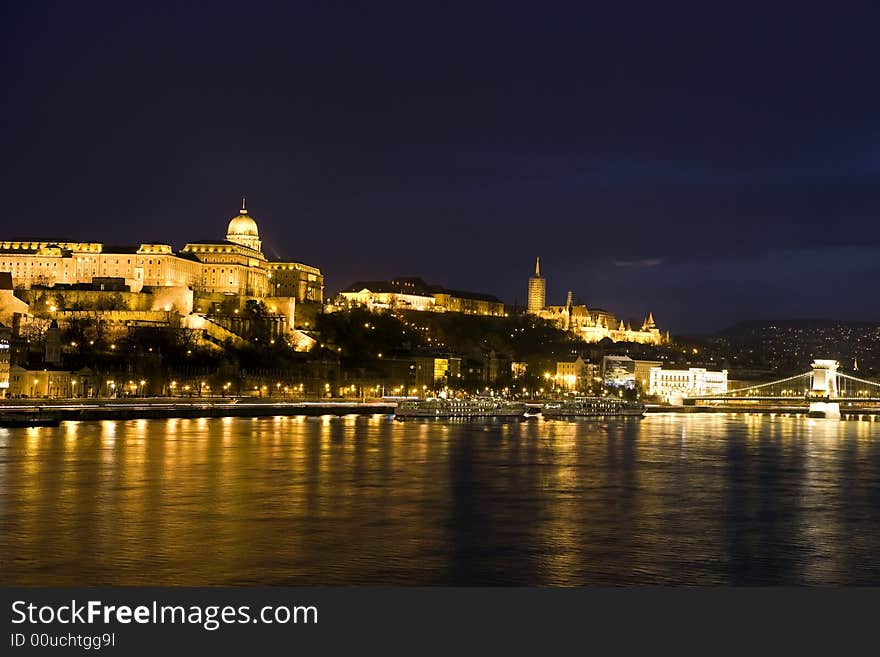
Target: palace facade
x: 416, y: 294
x: 232, y: 266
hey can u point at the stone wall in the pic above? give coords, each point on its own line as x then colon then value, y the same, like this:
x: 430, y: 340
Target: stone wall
x: 42, y: 301
x: 9, y: 305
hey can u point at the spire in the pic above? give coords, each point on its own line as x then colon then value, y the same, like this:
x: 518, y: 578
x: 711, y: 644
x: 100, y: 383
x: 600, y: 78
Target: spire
x: 243, y: 204
x: 855, y: 364
x: 538, y: 266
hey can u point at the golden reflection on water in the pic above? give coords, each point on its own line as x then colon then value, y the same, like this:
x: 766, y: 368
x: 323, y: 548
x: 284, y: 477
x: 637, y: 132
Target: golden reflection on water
x: 701, y: 499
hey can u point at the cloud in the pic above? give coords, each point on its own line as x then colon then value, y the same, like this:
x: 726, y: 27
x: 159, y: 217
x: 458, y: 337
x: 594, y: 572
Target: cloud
x: 645, y: 262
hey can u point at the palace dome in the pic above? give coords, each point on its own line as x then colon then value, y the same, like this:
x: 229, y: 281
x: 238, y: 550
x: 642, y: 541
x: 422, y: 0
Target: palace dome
x: 243, y: 224
x: 243, y: 229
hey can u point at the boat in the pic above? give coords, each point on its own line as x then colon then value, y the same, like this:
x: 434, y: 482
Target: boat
x: 466, y: 408
x: 18, y: 420
x: 592, y: 407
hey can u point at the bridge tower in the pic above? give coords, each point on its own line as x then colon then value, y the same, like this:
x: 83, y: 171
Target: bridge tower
x: 824, y: 386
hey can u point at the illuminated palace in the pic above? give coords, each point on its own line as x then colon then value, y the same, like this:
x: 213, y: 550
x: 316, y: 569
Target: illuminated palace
x: 203, y: 287
x: 416, y: 294
x: 234, y: 266
x: 589, y: 324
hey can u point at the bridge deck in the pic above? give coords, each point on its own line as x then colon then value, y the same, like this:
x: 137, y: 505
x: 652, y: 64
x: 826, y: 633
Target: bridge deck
x: 792, y: 400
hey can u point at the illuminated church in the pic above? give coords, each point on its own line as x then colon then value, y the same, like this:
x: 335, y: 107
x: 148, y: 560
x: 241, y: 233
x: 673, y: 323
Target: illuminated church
x: 589, y: 324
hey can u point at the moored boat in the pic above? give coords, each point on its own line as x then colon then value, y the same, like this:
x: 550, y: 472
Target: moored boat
x: 592, y: 407
x: 486, y: 407
x: 18, y: 420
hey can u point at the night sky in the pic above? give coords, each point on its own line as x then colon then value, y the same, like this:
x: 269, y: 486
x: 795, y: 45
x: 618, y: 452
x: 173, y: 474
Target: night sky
x: 709, y: 163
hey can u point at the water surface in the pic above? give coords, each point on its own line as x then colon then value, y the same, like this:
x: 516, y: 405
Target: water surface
x: 669, y: 499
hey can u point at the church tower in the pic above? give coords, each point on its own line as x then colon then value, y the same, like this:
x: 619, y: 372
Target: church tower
x: 52, y: 347
x: 537, y: 290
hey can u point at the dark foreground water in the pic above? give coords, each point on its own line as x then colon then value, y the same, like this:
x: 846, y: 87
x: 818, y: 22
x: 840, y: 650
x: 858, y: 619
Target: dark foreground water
x: 683, y: 499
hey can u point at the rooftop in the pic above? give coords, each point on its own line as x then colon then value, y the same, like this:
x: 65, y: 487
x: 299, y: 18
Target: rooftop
x: 416, y: 286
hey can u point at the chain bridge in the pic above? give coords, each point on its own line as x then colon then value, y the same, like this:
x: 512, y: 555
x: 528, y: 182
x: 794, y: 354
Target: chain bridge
x: 823, y: 389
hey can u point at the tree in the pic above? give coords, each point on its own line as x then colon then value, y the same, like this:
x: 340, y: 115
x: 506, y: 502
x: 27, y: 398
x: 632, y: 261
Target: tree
x: 34, y: 330
x: 260, y: 324
x: 187, y: 338
x: 77, y: 330
x: 110, y: 302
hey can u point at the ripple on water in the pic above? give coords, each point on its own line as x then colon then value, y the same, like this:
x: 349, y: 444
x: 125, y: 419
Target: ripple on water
x: 669, y: 499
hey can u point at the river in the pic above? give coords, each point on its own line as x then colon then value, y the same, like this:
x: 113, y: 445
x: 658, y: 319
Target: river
x: 702, y: 499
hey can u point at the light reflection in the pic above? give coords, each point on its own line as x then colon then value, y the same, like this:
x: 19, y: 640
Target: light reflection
x: 108, y: 431
x: 369, y: 499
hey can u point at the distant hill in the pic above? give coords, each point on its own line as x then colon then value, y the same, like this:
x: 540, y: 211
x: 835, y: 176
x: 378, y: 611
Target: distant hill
x: 757, y: 326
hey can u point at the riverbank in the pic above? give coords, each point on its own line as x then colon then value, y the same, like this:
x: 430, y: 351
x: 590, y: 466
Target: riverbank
x: 90, y: 410
x: 850, y: 412
x: 161, y: 408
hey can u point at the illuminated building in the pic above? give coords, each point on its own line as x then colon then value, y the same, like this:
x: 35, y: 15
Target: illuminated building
x: 619, y: 372
x: 574, y: 374
x: 416, y: 294
x: 10, y: 305
x: 235, y: 265
x: 295, y: 280
x: 672, y: 385
x: 431, y: 370
x: 415, y: 373
x: 47, y: 263
x: 642, y: 372
x: 589, y: 324
x: 5, y: 337
x: 537, y: 290
x: 52, y: 382
x: 44, y: 382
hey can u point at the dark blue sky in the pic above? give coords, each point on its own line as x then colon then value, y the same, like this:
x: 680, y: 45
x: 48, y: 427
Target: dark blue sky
x: 707, y: 163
